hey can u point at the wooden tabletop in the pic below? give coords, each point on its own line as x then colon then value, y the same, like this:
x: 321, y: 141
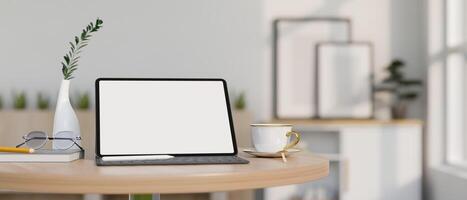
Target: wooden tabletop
x: 83, y: 176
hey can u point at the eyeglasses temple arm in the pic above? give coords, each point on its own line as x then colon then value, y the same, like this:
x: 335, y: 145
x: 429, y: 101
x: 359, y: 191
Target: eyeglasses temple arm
x: 21, y: 144
x: 78, y: 146
x: 26, y: 140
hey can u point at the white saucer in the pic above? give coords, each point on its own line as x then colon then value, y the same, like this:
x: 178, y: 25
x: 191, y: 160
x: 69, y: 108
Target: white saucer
x: 252, y: 151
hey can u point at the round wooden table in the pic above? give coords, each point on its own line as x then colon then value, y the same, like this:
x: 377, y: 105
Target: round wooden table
x: 83, y: 176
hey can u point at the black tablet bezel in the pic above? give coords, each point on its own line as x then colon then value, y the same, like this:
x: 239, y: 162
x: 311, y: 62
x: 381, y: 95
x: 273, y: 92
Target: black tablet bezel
x: 224, y: 83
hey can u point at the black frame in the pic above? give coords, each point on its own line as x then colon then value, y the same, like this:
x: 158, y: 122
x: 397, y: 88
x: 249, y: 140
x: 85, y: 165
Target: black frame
x: 371, y: 78
x: 224, y: 83
x: 275, y: 48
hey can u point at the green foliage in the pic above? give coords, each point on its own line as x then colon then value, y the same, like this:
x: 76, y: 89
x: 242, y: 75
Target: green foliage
x: 70, y: 63
x: 396, y: 83
x: 240, y: 103
x: 42, y: 102
x: 142, y: 197
x: 1, y: 102
x: 19, y: 101
x: 83, y: 101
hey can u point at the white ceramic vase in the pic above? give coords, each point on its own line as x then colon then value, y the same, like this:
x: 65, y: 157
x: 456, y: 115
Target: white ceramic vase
x: 65, y: 118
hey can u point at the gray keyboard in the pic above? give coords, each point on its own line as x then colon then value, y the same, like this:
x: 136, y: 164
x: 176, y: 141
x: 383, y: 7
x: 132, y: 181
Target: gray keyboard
x: 177, y: 160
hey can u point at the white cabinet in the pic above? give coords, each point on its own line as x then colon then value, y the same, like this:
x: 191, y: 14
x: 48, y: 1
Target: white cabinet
x: 371, y: 160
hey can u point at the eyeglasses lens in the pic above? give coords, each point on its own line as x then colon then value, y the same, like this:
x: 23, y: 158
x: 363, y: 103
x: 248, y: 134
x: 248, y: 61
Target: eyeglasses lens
x: 61, y: 141
x: 36, y: 139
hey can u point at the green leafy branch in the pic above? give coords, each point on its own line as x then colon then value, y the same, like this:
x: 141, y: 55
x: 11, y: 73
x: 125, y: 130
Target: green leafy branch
x: 70, y: 63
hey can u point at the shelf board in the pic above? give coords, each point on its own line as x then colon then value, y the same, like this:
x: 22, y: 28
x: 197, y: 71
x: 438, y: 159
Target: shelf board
x: 348, y: 122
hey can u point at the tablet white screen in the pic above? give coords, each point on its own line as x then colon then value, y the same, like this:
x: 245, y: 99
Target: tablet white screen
x: 163, y: 117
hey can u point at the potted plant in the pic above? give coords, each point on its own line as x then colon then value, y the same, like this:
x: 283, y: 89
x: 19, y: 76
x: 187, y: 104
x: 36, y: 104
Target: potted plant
x: 42, y: 102
x: 19, y: 101
x: 242, y: 120
x: 65, y: 119
x: 240, y: 103
x: 83, y: 101
x: 403, y: 90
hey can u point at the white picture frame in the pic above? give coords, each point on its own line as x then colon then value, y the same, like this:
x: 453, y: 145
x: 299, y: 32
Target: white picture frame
x: 294, y: 60
x: 344, y: 80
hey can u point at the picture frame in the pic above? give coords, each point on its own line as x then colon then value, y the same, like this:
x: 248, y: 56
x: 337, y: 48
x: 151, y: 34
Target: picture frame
x: 293, y: 60
x: 349, y: 94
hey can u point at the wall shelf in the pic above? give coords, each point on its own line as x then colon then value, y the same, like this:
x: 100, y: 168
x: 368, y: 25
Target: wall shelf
x: 346, y: 122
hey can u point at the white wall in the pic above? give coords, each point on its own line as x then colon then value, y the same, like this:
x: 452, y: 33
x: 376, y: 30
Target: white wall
x: 174, y: 38
x: 164, y: 38
x: 408, y: 42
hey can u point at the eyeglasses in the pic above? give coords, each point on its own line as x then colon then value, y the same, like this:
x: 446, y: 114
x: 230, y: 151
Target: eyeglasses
x: 37, y: 139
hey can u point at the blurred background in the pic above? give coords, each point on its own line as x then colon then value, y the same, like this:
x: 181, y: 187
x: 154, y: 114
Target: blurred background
x: 377, y: 86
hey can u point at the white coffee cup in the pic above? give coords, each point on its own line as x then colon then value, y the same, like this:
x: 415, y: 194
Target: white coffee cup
x: 273, y: 137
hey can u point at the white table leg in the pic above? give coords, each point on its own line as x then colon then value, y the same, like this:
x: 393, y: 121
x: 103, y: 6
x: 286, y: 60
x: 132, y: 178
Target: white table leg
x: 218, y: 196
x: 92, y: 197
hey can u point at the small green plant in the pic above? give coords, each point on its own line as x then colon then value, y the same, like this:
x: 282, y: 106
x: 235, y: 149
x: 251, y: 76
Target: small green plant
x: 19, y: 101
x: 42, y: 102
x: 402, y: 89
x: 142, y: 197
x: 70, y: 63
x: 83, y: 101
x: 240, y: 103
x: 400, y: 86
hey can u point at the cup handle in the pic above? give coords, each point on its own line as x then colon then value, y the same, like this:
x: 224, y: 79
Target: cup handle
x: 293, y: 143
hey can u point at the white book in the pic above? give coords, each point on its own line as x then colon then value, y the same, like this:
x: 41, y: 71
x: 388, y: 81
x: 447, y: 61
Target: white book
x: 43, y: 156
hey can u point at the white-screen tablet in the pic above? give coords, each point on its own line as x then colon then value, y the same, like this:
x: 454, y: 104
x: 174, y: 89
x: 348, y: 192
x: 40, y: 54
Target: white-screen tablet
x: 163, y: 116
